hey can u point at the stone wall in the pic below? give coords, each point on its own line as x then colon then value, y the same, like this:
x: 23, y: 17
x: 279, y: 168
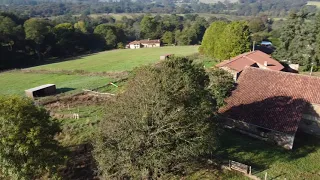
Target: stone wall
x: 310, y: 122
x: 279, y: 138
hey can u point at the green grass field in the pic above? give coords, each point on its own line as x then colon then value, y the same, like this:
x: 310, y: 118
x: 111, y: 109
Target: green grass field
x: 119, y: 60
x: 300, y: 163
x: 15, y: 82
x: 314, y: 3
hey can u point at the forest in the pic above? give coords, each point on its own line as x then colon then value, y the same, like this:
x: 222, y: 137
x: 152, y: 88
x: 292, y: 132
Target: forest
x: 39, y: 8
x: 26, y: 42
x: 30, y: 41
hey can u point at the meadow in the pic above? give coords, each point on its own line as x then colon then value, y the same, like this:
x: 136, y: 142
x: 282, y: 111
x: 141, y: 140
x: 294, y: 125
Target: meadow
x: 119, y: 60
x: 15, y: 82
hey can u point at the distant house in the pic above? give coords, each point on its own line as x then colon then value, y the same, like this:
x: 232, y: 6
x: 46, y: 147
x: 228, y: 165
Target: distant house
x: 147, y: 43
x: 273, y: 105
x: 254, y: 59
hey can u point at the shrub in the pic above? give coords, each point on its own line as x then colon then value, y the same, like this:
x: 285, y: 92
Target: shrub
x: 27, y: 145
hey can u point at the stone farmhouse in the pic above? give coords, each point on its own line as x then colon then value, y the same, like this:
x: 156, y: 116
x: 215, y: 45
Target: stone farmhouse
x: 147, y: 43
x: 272, y: 105
x: 254, y: 59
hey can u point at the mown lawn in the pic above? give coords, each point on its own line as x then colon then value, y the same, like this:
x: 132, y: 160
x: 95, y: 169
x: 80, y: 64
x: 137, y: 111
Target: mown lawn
x: 119, y: 60
x: 15, y: 82
x: 303, y: 162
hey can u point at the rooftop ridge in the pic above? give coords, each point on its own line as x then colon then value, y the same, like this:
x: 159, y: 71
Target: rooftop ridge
x: 280, y: 72
x: 238, y: 57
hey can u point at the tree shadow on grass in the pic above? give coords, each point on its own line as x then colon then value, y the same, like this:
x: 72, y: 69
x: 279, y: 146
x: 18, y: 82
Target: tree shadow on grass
x: 63, y: 90
x: 80, y: 164
x: 260, y: 154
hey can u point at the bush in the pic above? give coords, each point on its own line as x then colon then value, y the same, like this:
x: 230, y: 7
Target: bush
x: 161, y: 122
x: 27, y: 145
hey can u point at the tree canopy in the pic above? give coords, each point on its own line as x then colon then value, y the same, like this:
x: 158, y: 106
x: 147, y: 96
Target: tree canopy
x: 225, y: 40
x: 27, y: 145
x: 299, y: 41
x: 163, y: 120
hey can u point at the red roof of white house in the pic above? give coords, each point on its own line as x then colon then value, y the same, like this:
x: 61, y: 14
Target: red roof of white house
x: 271, y: 99
x: 249, y: 59
x: 146, y: 41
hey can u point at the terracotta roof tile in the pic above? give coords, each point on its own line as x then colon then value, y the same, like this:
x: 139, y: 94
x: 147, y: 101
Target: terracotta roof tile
x: 248, y: 59
x: 271, y: 99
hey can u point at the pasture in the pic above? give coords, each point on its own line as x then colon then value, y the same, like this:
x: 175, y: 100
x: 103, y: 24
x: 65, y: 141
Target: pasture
x: 119, y: 60
x: 15, y: 82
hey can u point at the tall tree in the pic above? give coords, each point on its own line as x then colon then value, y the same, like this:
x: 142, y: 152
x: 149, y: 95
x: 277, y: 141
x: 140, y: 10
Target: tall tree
x: 223, y: 41
x: 64, y: 34
x: 149, y: 27
x: 162, y: 121
x: 110, y: 33
x: 298, y: 41
x: 168, y: 38
x: 36, y: 31
x: 211, y: 38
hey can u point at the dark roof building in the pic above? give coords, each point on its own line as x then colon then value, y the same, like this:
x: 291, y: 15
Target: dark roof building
x: 274, y: 100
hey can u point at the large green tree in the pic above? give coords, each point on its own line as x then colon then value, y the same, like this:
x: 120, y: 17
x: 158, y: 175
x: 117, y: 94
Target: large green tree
x: 212, y: 37
x: 163, y: 120
x: 36, y: 30
x: 298, y: 41
x: 168, y: 38
x: 27, y: 145
x: 149, y: 27
x: 110, y: 33
x: 223, y: 41
x: 65, y: 41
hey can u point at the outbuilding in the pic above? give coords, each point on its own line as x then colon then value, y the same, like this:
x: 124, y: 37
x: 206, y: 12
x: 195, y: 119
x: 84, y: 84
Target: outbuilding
x: 272, y: 105
x: 40, y: 91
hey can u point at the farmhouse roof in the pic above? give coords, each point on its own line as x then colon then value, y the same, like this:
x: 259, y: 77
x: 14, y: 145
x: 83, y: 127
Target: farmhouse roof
x: 238, y: 63
x: 146, y: 41
x: 135, y: 42
x: 39, y: 87
x: 271, y: 99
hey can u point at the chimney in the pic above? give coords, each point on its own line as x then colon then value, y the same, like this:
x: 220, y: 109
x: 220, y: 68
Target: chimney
x: 265, y: 63
x: 148, y: 39
x: 253, y: 47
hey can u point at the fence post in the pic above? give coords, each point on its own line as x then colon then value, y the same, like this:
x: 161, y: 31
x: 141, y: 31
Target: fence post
x: 266, y: 176
x: 249, y: 170
x: 230, y: 164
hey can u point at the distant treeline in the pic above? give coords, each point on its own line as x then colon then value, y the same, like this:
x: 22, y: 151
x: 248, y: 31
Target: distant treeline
x: 41, y: 8
x: 30, y: 41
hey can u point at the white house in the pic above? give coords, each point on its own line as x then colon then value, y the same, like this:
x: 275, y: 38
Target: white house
x: 147, y: 43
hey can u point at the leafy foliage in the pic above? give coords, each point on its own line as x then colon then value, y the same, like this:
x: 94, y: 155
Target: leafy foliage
x: 163, y: 120
x: 299, y: 41
x: 223, y: 41
x: 27, y: 145
x: 221, y: 85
